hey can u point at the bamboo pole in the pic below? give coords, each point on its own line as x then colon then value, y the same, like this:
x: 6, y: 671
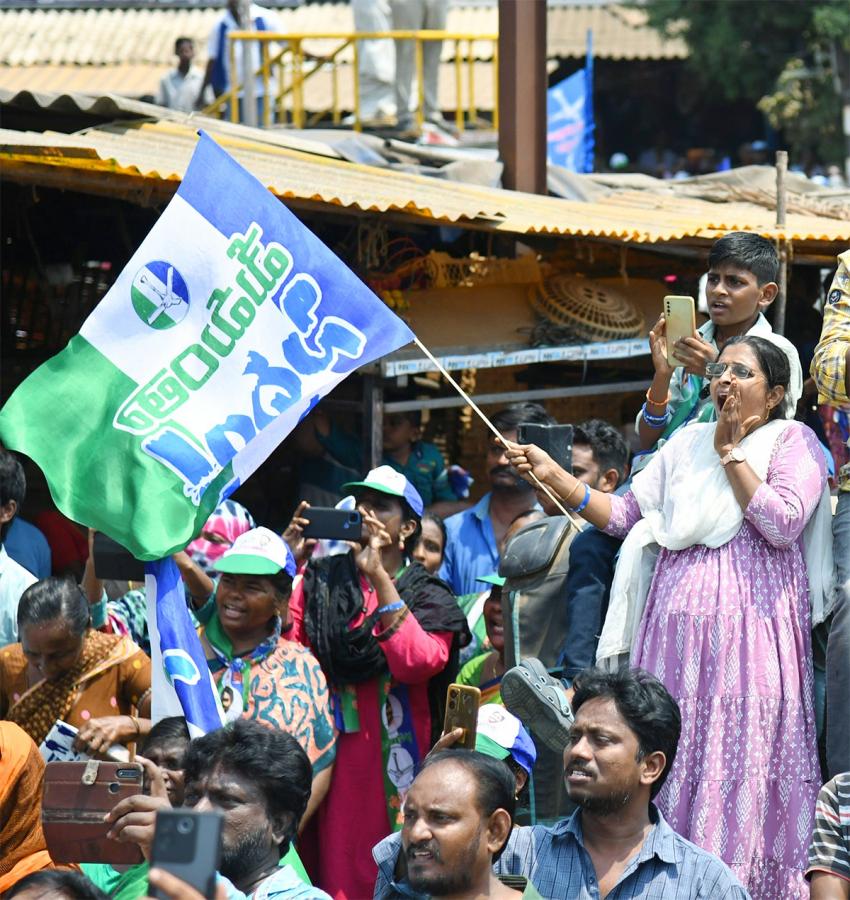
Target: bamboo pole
x: 476, y: 409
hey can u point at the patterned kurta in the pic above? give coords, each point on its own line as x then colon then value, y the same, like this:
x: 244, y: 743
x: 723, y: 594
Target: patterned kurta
x: 287, y: 690
x: 728, y: 631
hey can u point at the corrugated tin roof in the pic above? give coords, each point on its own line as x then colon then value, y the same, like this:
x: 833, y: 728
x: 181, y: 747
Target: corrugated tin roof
x: 45, y: 37
x: 133, y: 80
x: 619, y: 32
x: 145, y: 159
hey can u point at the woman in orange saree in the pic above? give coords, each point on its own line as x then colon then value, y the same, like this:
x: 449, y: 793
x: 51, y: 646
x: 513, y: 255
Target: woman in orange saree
x: 22, y: 846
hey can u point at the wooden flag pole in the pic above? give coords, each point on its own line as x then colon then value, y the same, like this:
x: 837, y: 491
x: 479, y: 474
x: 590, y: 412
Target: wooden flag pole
x: 476, y: 409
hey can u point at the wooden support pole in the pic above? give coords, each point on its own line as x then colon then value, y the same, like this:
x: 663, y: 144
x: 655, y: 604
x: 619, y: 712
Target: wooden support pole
x: 781, y: 200
x: 522, y: 94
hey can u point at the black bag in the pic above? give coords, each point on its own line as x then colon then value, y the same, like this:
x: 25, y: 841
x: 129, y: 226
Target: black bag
x: 535, y: 564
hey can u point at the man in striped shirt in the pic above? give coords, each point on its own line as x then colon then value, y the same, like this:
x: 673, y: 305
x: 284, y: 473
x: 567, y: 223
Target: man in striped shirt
x: 829, y: 853
x: 831, y: 373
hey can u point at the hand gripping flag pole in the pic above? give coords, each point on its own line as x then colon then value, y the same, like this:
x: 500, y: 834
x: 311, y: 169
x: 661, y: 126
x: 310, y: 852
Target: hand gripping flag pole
x: 474, y: 406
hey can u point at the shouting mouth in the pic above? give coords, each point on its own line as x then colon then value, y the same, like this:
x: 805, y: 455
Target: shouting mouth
x: 421, y: 855
x: 231, y: 612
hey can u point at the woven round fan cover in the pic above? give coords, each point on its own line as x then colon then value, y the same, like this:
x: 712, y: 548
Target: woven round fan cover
x: 593, y: 311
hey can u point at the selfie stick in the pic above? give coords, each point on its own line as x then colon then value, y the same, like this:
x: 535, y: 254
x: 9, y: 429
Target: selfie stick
x: 539, y: 484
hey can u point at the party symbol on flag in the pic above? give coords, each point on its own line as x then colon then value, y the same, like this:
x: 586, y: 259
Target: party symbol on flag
x: 160, y: 296
x: 180, y: 666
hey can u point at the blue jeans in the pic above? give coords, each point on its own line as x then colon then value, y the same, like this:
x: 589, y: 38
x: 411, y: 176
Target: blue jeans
x: 838, y: 648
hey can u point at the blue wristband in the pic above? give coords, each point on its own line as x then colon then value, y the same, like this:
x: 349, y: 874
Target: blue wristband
x: 391, y: 607
x: 654, y: 421
x: 581, y: 506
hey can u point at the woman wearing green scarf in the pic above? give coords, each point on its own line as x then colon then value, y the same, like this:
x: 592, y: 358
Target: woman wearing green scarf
x: 260, y: 674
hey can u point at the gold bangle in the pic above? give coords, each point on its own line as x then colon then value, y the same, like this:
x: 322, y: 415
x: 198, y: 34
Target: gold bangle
x: 138, y: 727
x: 567, y: 498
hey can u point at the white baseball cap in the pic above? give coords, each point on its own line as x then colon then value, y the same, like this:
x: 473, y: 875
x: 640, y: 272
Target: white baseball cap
x: 387, y: 480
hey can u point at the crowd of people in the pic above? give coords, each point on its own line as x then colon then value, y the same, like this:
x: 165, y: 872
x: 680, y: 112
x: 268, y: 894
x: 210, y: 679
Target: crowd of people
x: 649, y: 724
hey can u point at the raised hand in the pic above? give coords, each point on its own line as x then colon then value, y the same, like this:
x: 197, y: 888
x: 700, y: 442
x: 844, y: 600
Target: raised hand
x: 730, y: 429
x: 658, y: 348
x: 529, y: 458
x: 302, y: 548
x: 368, y: 555
x: 175, y: 888
x: 694, y: 352
x: 133, y: 819
x: 156, y: 783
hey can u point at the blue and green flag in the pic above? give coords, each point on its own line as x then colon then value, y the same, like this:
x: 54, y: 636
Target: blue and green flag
x: 228, y: 324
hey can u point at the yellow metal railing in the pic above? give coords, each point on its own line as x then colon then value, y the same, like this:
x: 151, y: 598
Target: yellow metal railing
x: 283, y: 55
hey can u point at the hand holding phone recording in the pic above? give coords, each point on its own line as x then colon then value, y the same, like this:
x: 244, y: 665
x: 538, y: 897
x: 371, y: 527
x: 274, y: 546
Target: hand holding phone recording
x: 78, y: 811
x: 462, y: 702
x: 302, y: 548
x: 187, y: 844
x: 679, y: 323
x: 332, y: 524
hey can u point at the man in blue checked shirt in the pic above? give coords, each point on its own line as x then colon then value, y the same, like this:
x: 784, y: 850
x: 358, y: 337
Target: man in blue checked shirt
x: 473, y: 537
x: 616, y: 845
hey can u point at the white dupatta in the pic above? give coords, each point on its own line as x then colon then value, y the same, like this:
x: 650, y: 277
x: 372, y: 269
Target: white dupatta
x: 686, y: 499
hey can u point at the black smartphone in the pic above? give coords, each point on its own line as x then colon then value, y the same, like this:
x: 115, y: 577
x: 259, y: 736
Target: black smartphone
x: 333, y: 524
x: 187, y: 844
x: 114, y: 562
x: 556, y: 440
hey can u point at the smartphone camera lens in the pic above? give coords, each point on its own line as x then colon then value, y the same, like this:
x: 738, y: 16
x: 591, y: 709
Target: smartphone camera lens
x: 184, y: 826
x: 353, y: 517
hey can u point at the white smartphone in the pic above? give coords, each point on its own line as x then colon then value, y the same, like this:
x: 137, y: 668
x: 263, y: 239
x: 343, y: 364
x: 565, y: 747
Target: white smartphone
x: 680, y: 322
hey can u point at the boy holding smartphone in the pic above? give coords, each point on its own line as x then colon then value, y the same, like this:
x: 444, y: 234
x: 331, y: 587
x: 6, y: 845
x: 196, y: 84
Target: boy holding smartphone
x: 743, y: 269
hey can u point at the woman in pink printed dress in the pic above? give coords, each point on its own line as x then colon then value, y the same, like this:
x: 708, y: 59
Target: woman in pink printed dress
x: 726, y: 562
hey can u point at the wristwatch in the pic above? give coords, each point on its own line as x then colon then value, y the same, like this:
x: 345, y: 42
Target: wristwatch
x: 736, y: 454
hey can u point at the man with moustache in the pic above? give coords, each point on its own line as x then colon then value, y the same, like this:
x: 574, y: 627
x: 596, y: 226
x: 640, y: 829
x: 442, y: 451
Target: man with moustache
x: 616, y: 845
x: 259, y: 778
x: 457, y: 818
x: 474, y: 535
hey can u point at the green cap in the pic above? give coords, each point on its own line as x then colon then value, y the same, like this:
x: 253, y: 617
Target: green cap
x: 495, y: 578
x: 486, y: 744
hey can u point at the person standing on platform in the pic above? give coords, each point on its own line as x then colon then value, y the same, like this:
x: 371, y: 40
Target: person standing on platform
x: 418, y: 15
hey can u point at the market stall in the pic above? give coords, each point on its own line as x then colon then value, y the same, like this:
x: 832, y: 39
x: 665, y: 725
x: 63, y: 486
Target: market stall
x: 527, y: 297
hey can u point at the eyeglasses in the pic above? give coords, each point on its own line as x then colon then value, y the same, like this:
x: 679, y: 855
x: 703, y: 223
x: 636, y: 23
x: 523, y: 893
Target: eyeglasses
x: 716, y: 369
